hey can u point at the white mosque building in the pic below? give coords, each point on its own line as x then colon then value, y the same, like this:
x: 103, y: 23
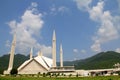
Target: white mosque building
x: 42, y: 64
x: 39, y: 63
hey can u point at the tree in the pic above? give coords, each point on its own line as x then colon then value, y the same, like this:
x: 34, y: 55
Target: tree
x: 70, y: 75
x: 44, y: 75
x: 13, y: 71
x: 118, y: 72
x: 77, y: 75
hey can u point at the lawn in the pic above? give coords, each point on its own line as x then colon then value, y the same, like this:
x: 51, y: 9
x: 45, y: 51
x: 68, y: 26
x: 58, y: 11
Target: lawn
x: 61, y: 78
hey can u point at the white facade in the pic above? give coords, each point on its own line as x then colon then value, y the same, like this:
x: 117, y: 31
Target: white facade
x: 82, y: 72
x: 35, y: 65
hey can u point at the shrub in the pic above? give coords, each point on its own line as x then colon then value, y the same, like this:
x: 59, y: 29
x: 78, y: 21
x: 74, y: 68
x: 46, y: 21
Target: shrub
x: 44, y: 75
x: 77, y: 75
x: 13, y: 71
x: 118, y: 73
x: 70, y: 75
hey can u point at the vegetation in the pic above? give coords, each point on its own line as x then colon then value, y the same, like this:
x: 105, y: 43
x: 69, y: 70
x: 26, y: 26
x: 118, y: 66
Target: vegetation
x: 101, y: 60
x: 13, y: 72
x: 18, y: 60
x: 61, y: 78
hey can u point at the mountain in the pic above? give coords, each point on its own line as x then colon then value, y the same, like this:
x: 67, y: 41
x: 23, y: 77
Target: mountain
x: 99, y: 61
x: 18, y: 60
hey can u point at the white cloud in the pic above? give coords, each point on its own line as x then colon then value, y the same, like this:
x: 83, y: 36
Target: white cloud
x: 96, y: 11
x: 75, y: 50
x: 46, y: 49
x: 107, y: 30
x: 118, y: 50
x: 30, y: 26
x: 108, y: 25
x: 96, y: 46
x: 83, y: 4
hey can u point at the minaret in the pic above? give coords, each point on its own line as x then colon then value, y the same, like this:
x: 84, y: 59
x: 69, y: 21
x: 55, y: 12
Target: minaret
x: 61, y: 56
x: 31, y: 52
x: 12, y: 53
x: 40, y: 53
x: 54, y: 49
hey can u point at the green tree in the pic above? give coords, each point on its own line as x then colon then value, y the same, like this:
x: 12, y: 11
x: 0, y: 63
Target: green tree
x: 13, y: 71
x: 44, y: 74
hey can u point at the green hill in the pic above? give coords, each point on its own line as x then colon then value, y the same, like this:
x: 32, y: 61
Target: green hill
x: 99, y: 61
x: 18, y: 60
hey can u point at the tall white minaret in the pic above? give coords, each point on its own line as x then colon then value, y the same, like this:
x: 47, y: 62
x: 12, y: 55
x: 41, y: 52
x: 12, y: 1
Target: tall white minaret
x: 31, y: 52
x: 12, y: 52
x: 61, y: 56
x: 54, y: 49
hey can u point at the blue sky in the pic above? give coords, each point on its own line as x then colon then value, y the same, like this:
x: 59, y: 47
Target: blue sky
x: 84, y: 27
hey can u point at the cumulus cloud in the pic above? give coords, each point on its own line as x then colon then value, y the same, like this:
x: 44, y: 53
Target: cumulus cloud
x: 83, y: 4
x: 96, y: 11
x: 27, y: 28
x: 107, y: 31
x: 108, y: 25
x: 96, y: 46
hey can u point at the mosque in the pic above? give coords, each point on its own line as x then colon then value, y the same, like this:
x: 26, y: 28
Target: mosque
x: 40, y: 63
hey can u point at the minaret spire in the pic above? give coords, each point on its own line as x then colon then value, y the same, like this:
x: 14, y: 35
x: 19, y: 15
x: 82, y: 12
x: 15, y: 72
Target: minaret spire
x: 54, y: 49
x: 61, y: 56
x: 31, y: 53
x: 12, y: 52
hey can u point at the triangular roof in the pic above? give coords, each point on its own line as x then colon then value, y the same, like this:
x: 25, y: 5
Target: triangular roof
x: 25, y: 63
x: 48, y: 61
x: 42, y: 60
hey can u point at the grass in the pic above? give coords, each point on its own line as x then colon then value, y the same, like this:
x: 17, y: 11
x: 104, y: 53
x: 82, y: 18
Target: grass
x: 62, y: 78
